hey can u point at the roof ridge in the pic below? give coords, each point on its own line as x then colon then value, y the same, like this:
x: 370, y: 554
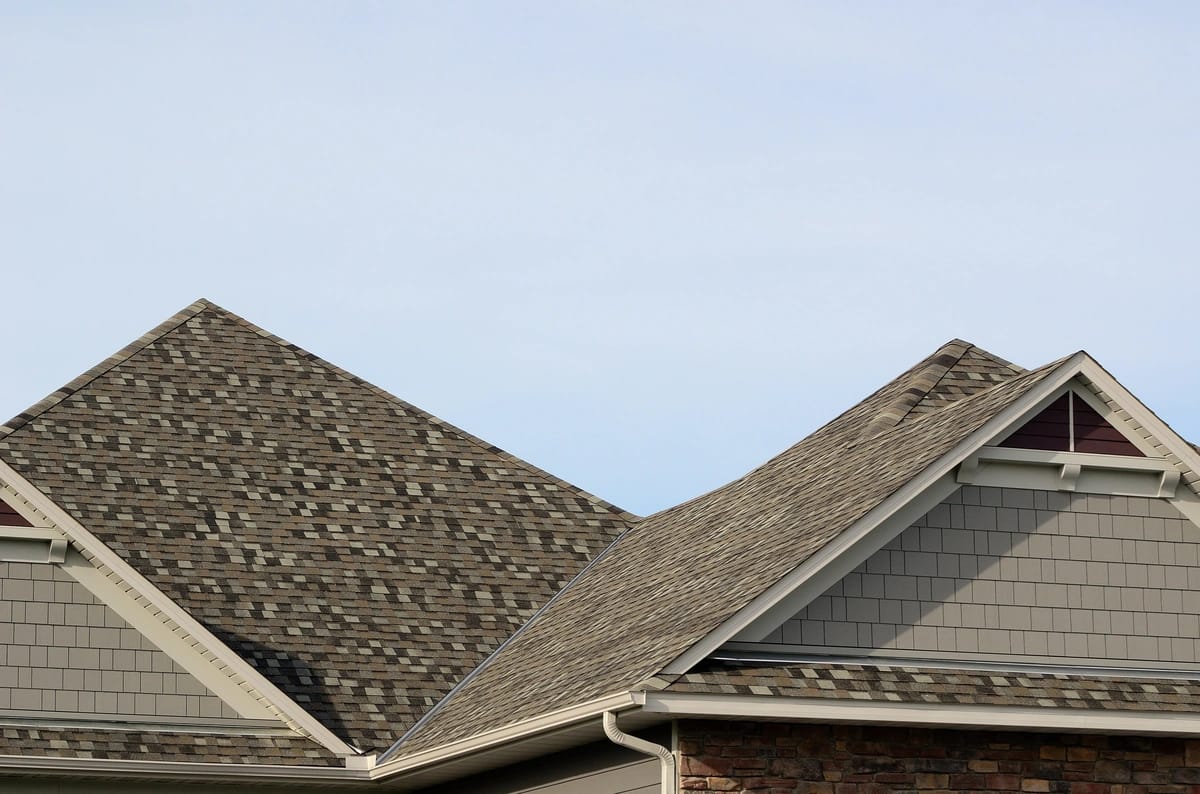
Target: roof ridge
x: 922, y: 383
x: 407, y: 406
x: 124, y: 354
x: 785, y: 502
x: 1018, y: 369
x: 201, y: 305
x: 957, y: 404
x: 908, y: 373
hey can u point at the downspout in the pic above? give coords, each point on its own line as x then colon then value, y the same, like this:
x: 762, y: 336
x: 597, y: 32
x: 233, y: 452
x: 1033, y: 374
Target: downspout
x: 666, y: 758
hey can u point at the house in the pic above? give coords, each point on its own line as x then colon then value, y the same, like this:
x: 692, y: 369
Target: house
x: 226, y: 562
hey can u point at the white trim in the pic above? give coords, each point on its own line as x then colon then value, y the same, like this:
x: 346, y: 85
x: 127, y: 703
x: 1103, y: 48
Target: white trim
x: 184, y: 770
x: 1034, y: 400
x: 779, y: 653
x: 1121, y: 475
x: 1025, y: 718
x: 206, y: 644
x: 1157, y: 428
x: 1086, y: 459
x: 1071, y: 419
x: 846, y: 561
x: 755, y: 619
x: 128, y: 607
x: 560, y: 718
x: 30, y: 533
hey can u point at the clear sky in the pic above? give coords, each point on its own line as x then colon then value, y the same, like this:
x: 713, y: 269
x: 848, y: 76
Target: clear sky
x: 645, y: 245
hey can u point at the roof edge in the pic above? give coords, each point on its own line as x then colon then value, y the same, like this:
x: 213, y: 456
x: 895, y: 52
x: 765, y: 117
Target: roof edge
x: 921, y: 383
x: 407, y: 406
x: 1046, y: 718
x: 1054, y: 375
x: 201, y: 305
x: 540, y: 723
x: 236, y: 667
x: 180, y: 770
x: 124, y: 354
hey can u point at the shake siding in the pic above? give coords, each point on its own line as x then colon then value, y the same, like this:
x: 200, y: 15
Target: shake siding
x: 62, y: 651
x: 1038, y: 575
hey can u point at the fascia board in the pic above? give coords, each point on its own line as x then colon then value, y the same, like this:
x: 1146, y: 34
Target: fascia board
x: 923, y: 714
x: 182, y: 770
x: 213, y: 648
x: 1141, y: 414
x: 854, y: 535
x: 560, y: 718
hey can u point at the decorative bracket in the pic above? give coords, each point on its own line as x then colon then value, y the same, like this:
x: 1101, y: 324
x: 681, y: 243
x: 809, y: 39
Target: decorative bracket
x: 1121, y: 475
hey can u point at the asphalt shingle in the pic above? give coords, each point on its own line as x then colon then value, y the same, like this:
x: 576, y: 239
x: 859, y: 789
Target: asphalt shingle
x: 679, y: 574
x: 360, y: 553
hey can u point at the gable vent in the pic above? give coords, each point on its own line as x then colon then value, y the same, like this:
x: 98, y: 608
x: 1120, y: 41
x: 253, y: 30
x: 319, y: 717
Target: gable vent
x: 1070, y: 424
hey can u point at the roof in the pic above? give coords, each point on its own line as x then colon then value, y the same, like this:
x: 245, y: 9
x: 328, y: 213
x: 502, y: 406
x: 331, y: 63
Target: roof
x: 208, y: 748
x: 358, y: 552
x: 882, y: 683
x: 653, y: 595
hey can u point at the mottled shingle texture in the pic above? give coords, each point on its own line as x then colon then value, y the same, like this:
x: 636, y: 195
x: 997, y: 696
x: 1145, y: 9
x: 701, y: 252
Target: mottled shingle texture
x: 942, y: 686
x: 679, y: 574
x: 361, y: 554
x: 156, y: 746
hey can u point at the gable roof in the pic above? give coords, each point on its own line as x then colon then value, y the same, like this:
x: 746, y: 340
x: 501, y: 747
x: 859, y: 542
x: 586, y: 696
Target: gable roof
x: 358, y: 552
x: 651, y: 597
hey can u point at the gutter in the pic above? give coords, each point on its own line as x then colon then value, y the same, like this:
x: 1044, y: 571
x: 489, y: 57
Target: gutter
x: 554, y: 720
x: 388, y: 754
x: 183, y: 770
x: 665, y: 757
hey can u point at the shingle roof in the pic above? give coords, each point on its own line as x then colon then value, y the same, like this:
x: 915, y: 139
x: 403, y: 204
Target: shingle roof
x: 974, y: 371
x: 360, y: 553
x: 161, y: 746
x: 942, y: 686
x: 679, y: 574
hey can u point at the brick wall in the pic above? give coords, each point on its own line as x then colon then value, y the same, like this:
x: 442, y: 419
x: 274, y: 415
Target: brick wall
x: 793, y: 758
x: 61, y: 650
x: 1032, y: 575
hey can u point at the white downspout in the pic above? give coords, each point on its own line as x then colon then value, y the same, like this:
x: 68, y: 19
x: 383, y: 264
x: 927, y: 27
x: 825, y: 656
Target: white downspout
x: 665, y: 757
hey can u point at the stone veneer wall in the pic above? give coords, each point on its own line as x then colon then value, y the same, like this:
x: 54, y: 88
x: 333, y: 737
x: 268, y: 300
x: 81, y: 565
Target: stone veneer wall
x: 795, y: 758
x: 61, y: 650
x: 1039, y: 575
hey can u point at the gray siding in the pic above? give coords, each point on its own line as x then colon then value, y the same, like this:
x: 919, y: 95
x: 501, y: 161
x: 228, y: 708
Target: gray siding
x: 1039, y: 575
x: 63, y: 651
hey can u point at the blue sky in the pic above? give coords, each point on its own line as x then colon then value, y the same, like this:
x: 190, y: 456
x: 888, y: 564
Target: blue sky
x: 644, y: 245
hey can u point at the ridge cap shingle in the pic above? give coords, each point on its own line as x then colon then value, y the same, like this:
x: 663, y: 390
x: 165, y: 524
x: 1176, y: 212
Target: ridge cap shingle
x: 201, y: 305
x: 921, y: 383
x: 497, y: 515
x: 127, y: 352
x: 420, y: 412
x: 767, y: 500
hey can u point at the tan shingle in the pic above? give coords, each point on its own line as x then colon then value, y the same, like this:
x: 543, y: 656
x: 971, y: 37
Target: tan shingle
x: 679, y: 574
x: 360, y: 553
x: 943, y: 686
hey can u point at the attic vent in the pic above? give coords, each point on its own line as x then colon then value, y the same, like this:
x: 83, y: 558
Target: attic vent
x: 1070, y: 424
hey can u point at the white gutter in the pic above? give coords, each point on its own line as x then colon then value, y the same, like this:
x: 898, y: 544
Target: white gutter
x: 1026, y: 718
x: 666, y: 758
x: 554, y: 720
x: 191, y: 771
